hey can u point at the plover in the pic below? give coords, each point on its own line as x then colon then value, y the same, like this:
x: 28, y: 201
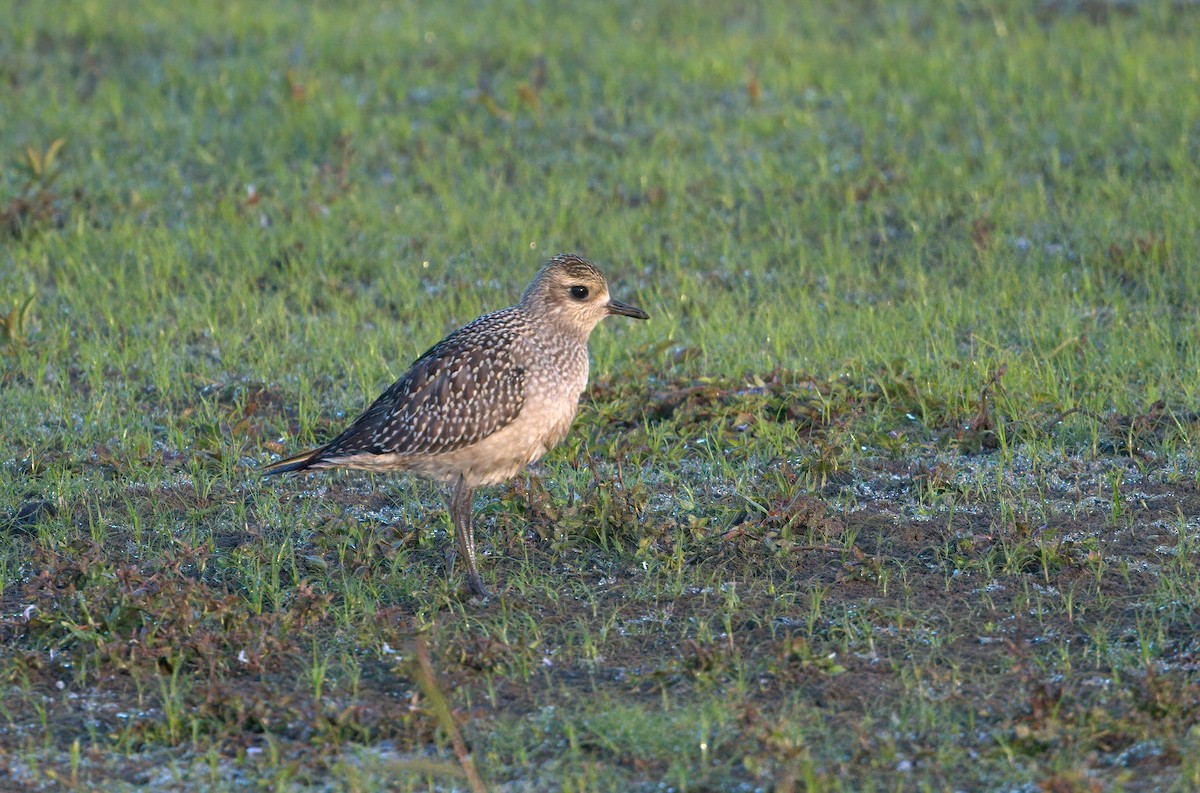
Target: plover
x: 486, y: 401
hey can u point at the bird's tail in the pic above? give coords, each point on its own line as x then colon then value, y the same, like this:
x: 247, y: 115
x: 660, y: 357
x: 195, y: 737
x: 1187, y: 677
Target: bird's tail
x: 295, y: 463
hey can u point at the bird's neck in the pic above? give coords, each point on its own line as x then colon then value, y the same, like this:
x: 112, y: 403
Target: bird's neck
x: 562, y: 326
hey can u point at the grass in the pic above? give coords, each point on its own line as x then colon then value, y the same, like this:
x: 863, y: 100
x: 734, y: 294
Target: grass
x: 898, y: 489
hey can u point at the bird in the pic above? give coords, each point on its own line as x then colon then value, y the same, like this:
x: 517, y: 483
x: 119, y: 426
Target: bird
x: 491, y: 398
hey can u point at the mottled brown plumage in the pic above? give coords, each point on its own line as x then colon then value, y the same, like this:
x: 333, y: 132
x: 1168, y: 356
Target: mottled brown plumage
x: 459, y: 392
x: 487, y: 400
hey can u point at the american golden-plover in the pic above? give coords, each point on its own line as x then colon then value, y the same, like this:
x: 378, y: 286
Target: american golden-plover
x: 486, y: 401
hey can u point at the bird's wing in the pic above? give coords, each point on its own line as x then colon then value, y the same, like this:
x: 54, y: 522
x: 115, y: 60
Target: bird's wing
x: 459, y: 392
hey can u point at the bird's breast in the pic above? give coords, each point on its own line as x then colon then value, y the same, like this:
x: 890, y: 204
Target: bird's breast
x: 556, y: 373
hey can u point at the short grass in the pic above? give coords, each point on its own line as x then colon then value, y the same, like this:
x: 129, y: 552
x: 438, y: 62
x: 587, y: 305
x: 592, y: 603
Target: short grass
x: 897, y: 490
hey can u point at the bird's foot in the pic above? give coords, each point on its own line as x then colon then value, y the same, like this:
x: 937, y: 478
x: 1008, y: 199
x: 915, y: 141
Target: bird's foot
x: 476, y: 586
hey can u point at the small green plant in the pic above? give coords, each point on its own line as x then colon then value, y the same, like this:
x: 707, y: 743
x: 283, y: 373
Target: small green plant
x: 17, y: 324
x: 40, y: 166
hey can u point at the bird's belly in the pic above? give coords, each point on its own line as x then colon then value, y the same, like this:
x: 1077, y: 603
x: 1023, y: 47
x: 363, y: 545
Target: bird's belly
x: 502, y: 454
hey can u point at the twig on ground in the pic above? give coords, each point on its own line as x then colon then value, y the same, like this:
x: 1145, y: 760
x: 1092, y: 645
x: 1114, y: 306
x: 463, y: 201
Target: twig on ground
x: 441, y: 710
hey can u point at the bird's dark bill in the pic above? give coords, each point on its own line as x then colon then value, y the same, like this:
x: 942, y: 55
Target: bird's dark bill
x: 626, y: 310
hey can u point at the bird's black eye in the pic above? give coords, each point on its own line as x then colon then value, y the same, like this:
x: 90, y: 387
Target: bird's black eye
x: 579, y: 292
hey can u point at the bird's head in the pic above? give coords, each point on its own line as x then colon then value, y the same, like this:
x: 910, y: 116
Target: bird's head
x: 573, y: 293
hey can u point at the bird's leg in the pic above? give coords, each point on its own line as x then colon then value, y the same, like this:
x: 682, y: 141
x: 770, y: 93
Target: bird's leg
x: 452, y: 547
x: 461, y: 507
x: 453, y: 505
